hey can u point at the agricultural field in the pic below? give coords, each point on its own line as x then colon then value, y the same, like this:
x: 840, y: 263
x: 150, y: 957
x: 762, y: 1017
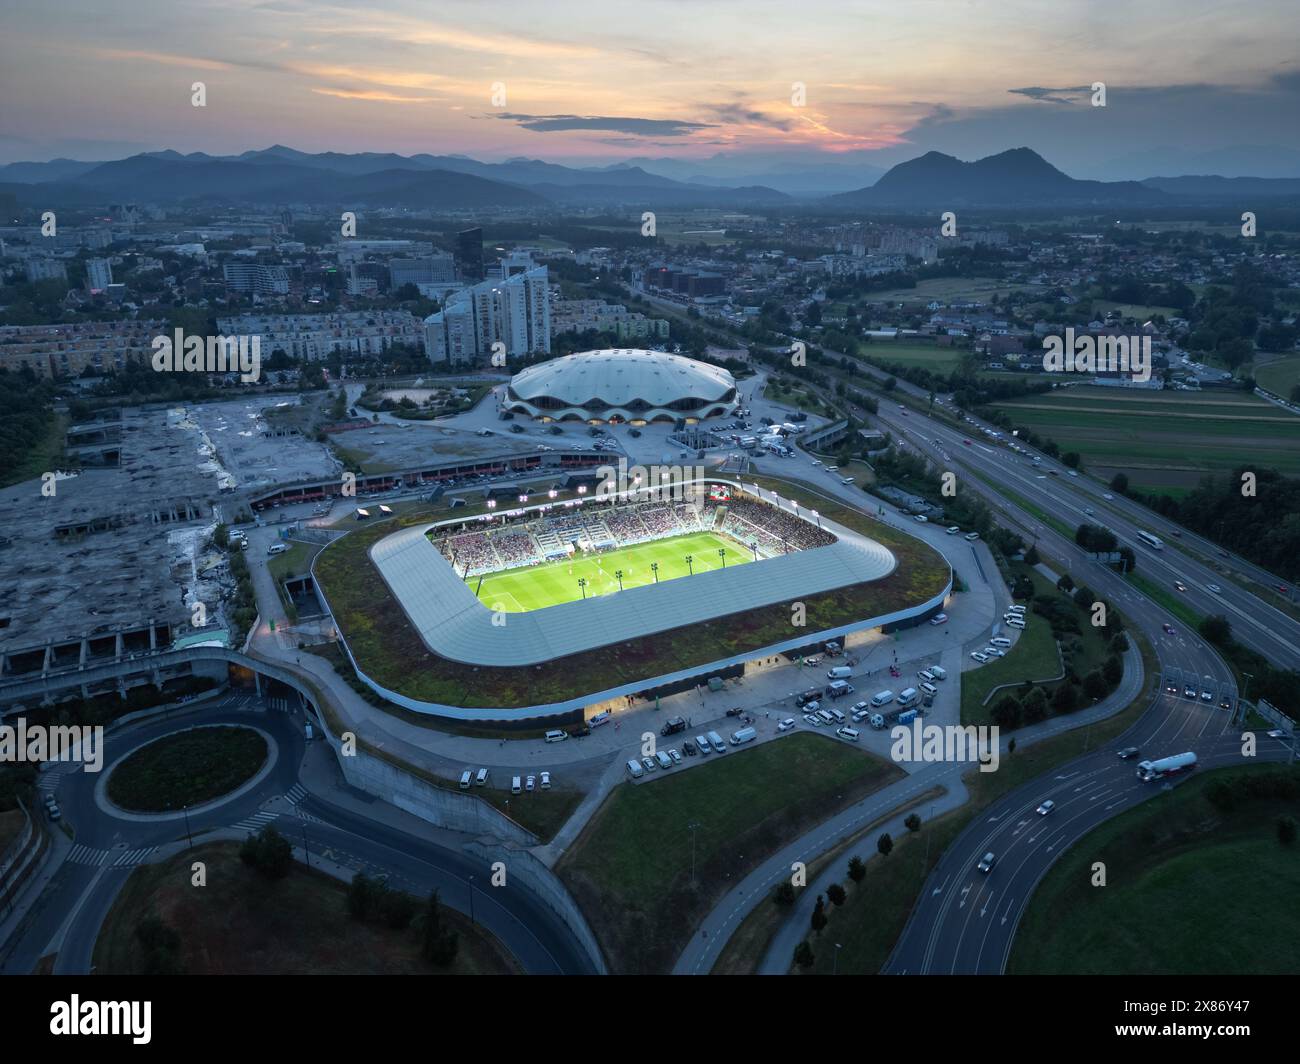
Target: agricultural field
x: 1164, y: 441
x: 539, y: 586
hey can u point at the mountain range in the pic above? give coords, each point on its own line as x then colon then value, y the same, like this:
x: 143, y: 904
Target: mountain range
x: 1018, y: 177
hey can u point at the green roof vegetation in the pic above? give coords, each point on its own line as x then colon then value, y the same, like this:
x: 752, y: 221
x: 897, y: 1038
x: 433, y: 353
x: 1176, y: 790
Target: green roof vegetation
x: 388, y: 649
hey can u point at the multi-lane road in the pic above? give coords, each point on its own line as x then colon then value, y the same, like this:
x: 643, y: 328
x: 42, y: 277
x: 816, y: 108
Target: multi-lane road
x: 965, y: 919
x: 108, y: 846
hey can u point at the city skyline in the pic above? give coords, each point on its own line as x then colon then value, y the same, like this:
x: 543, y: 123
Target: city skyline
x: 882, y: 85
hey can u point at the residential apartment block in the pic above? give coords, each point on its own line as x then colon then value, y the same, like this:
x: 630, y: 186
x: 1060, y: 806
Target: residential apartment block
x: 52, y: 351
x: 314, y: 336
x: 515, y: 311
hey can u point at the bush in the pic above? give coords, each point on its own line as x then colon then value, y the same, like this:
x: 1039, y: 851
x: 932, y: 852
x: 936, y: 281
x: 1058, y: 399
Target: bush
x: 268, y: 852
x: 783, y: 896
x: 913, y: 822
x: 857, y: 869
x: 803, y: 955
x: 836, y: 894
x: 884, y: 844
x: 1286, y: 830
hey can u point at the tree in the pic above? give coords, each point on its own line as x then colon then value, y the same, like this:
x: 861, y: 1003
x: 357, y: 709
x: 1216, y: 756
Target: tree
x: 1008, y: 712
x: 1119, y: 483
x: 1031, y: 556
x: 1094, y: 685
x: 857, y: 869
x: 1066, y: 583
x: 438, y: 944
x: 1119, y: 644
x: 1112, y: 671
x: 1065, y: 700
x: 884, y: 844
x: 783, y: 896
x: 1216, y: 630
x: 836, y: 894
x: 363, y: 896
x: 268, y: 852
x: 1286, y: 830
x: 819, y: 915
x: 913, y: 822
x: 1011, y: 745
x: 803, y: 955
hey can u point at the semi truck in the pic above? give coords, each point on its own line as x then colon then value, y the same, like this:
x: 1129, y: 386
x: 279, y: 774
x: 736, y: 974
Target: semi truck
x: 1165, y: 766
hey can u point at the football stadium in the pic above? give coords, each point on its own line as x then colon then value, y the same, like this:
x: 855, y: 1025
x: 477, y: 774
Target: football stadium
x: 556, y: 609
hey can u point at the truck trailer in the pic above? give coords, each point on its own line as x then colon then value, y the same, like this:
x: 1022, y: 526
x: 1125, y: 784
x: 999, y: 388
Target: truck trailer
x: 1165, y: 766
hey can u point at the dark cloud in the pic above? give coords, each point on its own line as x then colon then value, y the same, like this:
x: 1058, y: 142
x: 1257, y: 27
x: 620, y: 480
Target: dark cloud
x: 736, y: 114
x: 1042, y: 95
x: 640, y: 127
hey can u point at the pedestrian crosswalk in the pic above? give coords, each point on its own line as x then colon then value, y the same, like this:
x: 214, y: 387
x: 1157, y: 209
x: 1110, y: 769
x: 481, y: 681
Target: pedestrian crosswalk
x: 88, y: 855
x: 296, y: 794
x: 256, y: 822
x: 49, y: 780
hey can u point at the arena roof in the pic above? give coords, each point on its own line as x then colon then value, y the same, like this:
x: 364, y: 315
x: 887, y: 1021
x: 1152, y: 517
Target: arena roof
x: 456, y: 625
x: 620, y: 376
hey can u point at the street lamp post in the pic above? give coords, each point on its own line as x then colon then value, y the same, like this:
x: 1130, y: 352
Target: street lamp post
x: 618, y: 575
x: 582, y: 583
x: 654, y: 568
x: 188, y: 836
x: 722, y: 553
x: 690, y: 564
x: 471, y: 899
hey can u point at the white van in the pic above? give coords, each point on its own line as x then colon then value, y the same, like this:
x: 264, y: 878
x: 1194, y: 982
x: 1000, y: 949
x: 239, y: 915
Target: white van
x: 929, y: 689
x: 515, y: 785
x: 839, y: 688
x: 1000, y: 641
x: 744, y: 735
x: 825, y: 715
x: 635, y: 770
x: 882, y: 699
x: 464, y: 779
x: 840, y: 672
x: 839, y: 717
x: 665, y: 762
x: 702, y: 744
x: 1015, y: 622
x: 556, y: 736
x: 938, y: 672
x: 277, y: 548
x: 846, y: 480
x: 481, y: 779
x: 909, y: 697
x: 718, y: 745
x: 851, y: 734
x: 1016, y: 609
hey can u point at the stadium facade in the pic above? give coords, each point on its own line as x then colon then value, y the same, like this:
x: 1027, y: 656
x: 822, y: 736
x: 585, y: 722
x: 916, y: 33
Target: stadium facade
x: 622, y: 385
x: 431, y: 569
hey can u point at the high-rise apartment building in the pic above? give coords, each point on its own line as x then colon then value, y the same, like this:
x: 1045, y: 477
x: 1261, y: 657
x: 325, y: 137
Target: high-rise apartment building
x: 515, y: 311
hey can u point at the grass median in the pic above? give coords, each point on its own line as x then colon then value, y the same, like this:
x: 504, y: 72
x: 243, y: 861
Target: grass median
x: 187, y: 769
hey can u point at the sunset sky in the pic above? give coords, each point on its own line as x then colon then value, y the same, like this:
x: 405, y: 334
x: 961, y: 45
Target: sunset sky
x: 96, y: 79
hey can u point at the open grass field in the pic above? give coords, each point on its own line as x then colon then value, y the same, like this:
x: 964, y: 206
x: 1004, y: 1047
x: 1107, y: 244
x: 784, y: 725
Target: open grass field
x: 242, y: 924
x: 1164, y: 441
x: 1175, y: 865
x: 538, y: 586
x: 948, y: 289
x: 926, y: 356
x: 630, y: 869
x: 1278, y: 375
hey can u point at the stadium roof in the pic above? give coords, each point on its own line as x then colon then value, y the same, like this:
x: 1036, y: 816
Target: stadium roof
x: 456, y: 625
x: 620, y: 376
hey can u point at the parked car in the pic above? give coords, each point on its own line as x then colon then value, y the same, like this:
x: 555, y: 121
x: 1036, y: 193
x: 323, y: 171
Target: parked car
x: 650, y: 763
x: 546, y: 781
x: 786, y: 724
x: 939, y: 618
x: 815, y: 721
x: 530, y: 782
x: 977, y: 656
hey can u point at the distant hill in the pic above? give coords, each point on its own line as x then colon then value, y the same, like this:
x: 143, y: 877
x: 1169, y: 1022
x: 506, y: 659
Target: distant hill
x: 283, y: 174
x: 1209, y: 187
x: 1019, y: 177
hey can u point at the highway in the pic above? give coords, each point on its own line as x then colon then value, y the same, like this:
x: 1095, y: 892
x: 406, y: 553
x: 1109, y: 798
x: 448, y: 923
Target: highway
x: 965, y: 920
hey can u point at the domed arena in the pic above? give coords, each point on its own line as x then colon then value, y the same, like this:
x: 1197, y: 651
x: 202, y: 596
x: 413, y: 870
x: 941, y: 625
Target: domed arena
x: 631, y: 385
